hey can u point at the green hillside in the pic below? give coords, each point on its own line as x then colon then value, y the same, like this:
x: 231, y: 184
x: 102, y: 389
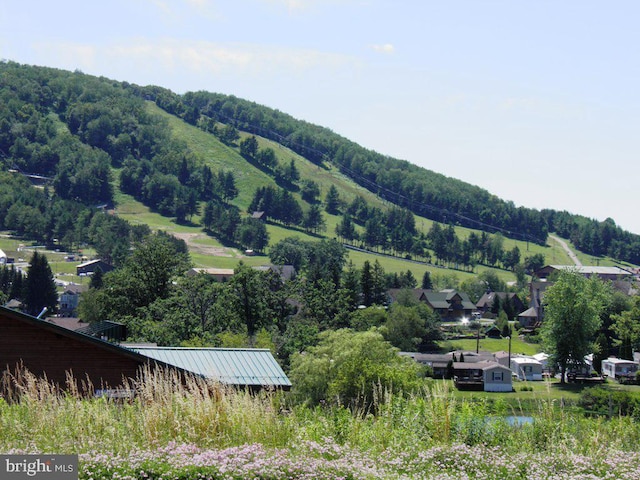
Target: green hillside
x: 212, y: 151
x: 171, y: 161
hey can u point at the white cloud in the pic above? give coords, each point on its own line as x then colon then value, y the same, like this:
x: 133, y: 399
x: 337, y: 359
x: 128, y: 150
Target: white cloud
x: 386, y: 48
x: 187, y: 56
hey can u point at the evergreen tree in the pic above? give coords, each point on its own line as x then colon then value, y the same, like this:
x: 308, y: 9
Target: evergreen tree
x: 248, y: 292
x: 351, y: 286
x: 17, y: 286
x: 506, y: 330
x: 346, y: 229
x: 249, y: 147
x: 366, y: 284
x: 96, y: 279
x: 496, y: 306
x: 426, y: 281
x: 332, y: 200
x: 312, y: 220
x: 379, y: 284
x: 40, y: 288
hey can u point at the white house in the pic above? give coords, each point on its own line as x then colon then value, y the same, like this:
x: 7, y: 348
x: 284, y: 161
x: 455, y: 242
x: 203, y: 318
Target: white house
x: 526, y: 368
x: 543, y: 358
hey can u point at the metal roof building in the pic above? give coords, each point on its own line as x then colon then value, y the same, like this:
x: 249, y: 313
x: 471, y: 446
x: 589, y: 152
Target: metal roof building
x: 247, y: 367
x: 47, y: 349
x: 604, y: 272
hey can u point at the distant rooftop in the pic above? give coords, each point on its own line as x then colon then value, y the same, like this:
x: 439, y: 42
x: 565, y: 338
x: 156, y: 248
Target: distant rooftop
x: 593, y: 269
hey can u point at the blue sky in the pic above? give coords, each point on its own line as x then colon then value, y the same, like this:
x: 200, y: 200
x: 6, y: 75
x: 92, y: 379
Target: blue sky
x: 537, y: 102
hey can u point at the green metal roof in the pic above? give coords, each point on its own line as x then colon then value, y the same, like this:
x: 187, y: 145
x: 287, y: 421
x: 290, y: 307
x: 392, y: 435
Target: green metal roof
x: 233, y: 366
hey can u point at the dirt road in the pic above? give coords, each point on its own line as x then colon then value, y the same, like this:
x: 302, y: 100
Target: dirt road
x: 572, y: 255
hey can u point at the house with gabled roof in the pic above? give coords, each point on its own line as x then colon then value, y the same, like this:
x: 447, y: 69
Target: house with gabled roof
x: 47, y: 349
x: 450, y: 304
x: 285, y: 272
x: 486, y: 301
x: 69, y: 298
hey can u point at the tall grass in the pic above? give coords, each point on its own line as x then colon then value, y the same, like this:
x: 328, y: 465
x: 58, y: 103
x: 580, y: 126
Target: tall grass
x: 168, y: 411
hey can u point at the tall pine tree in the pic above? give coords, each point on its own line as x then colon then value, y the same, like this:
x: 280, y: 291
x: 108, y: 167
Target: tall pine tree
x: 39, y: 287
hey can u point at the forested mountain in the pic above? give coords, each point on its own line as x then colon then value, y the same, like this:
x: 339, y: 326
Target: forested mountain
x: 79, y: 131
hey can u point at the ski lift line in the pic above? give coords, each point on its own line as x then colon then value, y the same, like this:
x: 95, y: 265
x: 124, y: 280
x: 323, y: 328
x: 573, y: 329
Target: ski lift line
x: 352, y: 173
x: 420, y: 205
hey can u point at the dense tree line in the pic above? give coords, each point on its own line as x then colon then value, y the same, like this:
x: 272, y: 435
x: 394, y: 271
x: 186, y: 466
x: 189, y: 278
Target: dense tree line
x: 73, y: 127
x: 152, y: 294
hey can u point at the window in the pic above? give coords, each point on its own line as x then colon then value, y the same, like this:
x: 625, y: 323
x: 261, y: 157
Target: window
x: 497, y: 376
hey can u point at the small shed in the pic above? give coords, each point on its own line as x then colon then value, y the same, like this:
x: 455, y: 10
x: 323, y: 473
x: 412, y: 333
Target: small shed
x: 493, y: 332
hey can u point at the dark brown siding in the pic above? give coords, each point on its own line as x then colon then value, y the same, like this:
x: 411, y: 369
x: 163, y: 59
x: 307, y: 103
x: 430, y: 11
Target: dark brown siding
x: 43, y: 350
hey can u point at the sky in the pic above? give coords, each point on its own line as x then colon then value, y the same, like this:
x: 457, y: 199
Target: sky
x: 537, y: 102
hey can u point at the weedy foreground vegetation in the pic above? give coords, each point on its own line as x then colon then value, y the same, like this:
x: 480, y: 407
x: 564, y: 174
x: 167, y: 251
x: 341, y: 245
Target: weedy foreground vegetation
x: 197, y: 429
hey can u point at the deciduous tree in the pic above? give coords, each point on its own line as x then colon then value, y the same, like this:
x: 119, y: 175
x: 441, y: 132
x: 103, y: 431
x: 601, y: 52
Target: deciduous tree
x: 572, y: 308
x: 346, y: 367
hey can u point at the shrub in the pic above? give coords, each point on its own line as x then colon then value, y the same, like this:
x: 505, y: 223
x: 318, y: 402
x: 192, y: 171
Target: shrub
x: 606, y: 402
x: 346, y: 366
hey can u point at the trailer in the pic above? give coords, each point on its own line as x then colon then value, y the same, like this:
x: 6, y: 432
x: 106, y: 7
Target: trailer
x: 619, y: 369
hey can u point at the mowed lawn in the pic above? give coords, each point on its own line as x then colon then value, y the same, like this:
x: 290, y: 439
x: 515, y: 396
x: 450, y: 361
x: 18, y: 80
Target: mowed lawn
x: 518, y: 346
